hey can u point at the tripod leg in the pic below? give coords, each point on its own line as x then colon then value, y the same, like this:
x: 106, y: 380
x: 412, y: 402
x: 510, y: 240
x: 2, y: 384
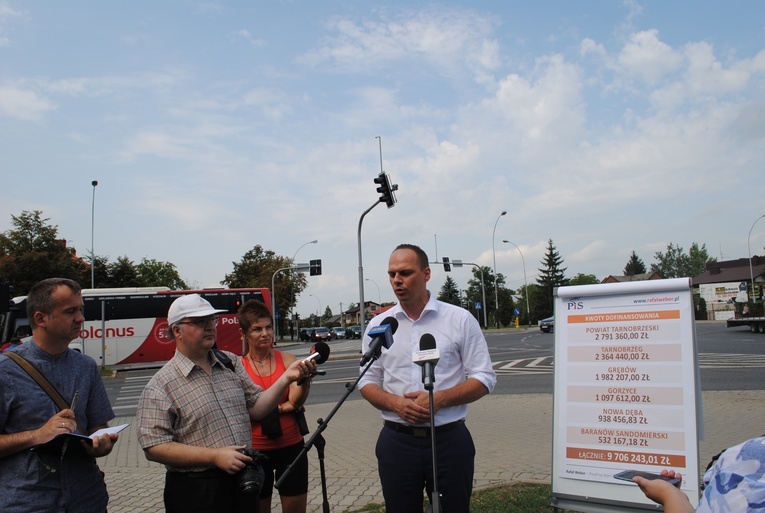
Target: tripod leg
x: 319, y: 443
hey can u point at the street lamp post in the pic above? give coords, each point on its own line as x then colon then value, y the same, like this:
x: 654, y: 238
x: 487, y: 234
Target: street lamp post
x: 748, y: 247
x: 494, y: 255
x: 525, y: 282
x: 379, y: 302
x: 301, y: 247
x: 94, y: 183
x: 292, y: 291
x: 318, y: 312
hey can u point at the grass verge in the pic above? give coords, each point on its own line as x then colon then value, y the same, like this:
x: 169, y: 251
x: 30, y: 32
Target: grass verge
x: 518, y: 497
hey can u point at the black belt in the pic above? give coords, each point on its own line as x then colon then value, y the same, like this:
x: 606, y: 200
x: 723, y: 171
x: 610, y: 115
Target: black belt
x: 211, y: 473
x: 420, y: 432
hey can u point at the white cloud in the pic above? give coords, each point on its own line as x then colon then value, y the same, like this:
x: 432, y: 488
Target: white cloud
x: 7, y: 13
x: 272, y: 103
x: 448, y: 39
x: 246, y: 35
x: 646, y: 58
x: 23, y: 104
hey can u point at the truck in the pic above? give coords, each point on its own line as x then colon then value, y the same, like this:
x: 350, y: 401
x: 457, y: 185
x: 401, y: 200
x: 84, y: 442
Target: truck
x: 756, y: 324
x: 129, y: 325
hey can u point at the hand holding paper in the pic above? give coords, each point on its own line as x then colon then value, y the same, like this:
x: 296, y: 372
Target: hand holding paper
x: 103, y: 440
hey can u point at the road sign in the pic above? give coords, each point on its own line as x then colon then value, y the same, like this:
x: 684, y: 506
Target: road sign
x: 517, y: 312
x: 478, y: 305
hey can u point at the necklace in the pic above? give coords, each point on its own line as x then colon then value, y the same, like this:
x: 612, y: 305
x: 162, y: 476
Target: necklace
x: 260, y: 362
x: 260, y: 375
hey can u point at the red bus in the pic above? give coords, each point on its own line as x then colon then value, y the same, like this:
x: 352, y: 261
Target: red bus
x: 129, y: 325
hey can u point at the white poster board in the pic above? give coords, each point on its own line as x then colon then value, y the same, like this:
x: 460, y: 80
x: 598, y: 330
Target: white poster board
x: 626, y: 393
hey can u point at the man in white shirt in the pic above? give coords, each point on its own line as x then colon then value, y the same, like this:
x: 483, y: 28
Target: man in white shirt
x: 393, y: 384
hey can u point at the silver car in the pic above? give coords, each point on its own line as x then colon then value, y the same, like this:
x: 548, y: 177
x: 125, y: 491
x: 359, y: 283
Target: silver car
x: 337, y: 332
x: 547, y: 325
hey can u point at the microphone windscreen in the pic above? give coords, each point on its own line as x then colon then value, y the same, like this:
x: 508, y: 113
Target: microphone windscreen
x: 392, y: 322
x: 427, y: 342
x: 323, y: 350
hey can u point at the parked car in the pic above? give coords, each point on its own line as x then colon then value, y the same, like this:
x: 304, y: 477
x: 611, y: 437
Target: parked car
x: 306, y: 334
x: 547, y: 325
x: 321, y: 334
x: 337, y: 332
x: 353, y: 332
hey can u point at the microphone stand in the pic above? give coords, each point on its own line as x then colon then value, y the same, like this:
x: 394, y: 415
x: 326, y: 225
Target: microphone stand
x: 318, y: 440
x: 435, y: 497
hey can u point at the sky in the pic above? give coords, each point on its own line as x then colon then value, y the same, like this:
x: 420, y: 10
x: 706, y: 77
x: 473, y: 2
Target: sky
x: 212, y: 127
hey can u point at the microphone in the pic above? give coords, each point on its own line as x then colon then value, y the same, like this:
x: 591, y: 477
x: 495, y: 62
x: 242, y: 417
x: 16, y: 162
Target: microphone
x: 319, y: 352
x: 427, y: 357
x: 323, y: 350
x: 381, y: 335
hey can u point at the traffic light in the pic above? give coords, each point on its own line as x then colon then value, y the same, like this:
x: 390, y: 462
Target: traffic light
x: 447, y: 266
x: 386, y: 190
x: 315, y: 266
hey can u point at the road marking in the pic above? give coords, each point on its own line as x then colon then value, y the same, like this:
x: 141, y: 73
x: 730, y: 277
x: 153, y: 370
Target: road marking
x: 544, y: 364
x: 540, y: 365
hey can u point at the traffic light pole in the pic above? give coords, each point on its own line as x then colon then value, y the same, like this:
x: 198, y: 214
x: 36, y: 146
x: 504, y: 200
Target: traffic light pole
x: 460, y: 263
x: 362, y: 312
x: 299, y: 268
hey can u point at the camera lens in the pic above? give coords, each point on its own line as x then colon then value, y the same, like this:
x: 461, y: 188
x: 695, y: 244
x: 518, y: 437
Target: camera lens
x: 251, y: 477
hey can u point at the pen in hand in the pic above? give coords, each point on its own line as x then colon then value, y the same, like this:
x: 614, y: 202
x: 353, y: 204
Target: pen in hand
x: 66, y: 441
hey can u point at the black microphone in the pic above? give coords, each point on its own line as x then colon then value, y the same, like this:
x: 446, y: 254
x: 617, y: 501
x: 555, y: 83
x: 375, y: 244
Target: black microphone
x: 321, y: 350
x: 427, y: 357
x: 382, y: 335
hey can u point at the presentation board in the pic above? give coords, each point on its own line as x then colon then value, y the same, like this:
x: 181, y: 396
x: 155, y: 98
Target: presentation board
x: 626, y: 394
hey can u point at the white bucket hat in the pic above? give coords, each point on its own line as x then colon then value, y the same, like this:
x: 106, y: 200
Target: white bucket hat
x: 190, y: 305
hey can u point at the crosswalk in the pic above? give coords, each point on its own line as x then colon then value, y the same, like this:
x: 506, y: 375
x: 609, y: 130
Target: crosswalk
x: 544, y: 365
x: 125, y: 400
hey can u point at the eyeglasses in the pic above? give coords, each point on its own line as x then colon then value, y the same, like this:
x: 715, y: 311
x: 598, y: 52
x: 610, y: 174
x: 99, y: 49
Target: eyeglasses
x: 202, y: 322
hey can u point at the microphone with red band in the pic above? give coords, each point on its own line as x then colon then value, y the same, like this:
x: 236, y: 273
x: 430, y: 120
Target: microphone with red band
x: 382, y: 336
x: 320, y: 353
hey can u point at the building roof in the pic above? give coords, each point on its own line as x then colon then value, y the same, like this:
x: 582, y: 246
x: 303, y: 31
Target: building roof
x: 383, y: 309
x: 731, y: 271
x: 355, y: 309
x: 631, y: 277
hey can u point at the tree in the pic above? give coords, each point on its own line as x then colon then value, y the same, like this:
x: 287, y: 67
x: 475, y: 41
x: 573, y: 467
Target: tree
x: 475, y: 293
x: 327, y: 315
x: 634, y: 265
x: 122, y: 273
x: 676, y: 264
x: 506, y: 306
x: 552, y: 275
x: 536, y: 298
x: 154, y: 273
x: 584, y: 279
x: 698, y: 258
x: 257, y: 269
x: 100, y: 271
x: 450, y: 292
x: 31, y: 251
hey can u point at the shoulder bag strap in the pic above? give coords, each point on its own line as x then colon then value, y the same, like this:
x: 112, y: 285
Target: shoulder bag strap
x: 223, y: 358
x: 42, y: 381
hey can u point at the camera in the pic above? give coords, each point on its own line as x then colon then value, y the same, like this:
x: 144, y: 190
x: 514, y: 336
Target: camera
x: 250, y: 478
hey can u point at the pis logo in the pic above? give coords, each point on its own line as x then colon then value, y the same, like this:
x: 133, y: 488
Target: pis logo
x: 575, y: 304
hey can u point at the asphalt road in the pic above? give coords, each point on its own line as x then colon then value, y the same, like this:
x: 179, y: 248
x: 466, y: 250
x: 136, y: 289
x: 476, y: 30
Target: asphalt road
x: 729, y: 359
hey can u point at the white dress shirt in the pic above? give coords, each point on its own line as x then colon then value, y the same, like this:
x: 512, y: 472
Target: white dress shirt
x: 463, y: 354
